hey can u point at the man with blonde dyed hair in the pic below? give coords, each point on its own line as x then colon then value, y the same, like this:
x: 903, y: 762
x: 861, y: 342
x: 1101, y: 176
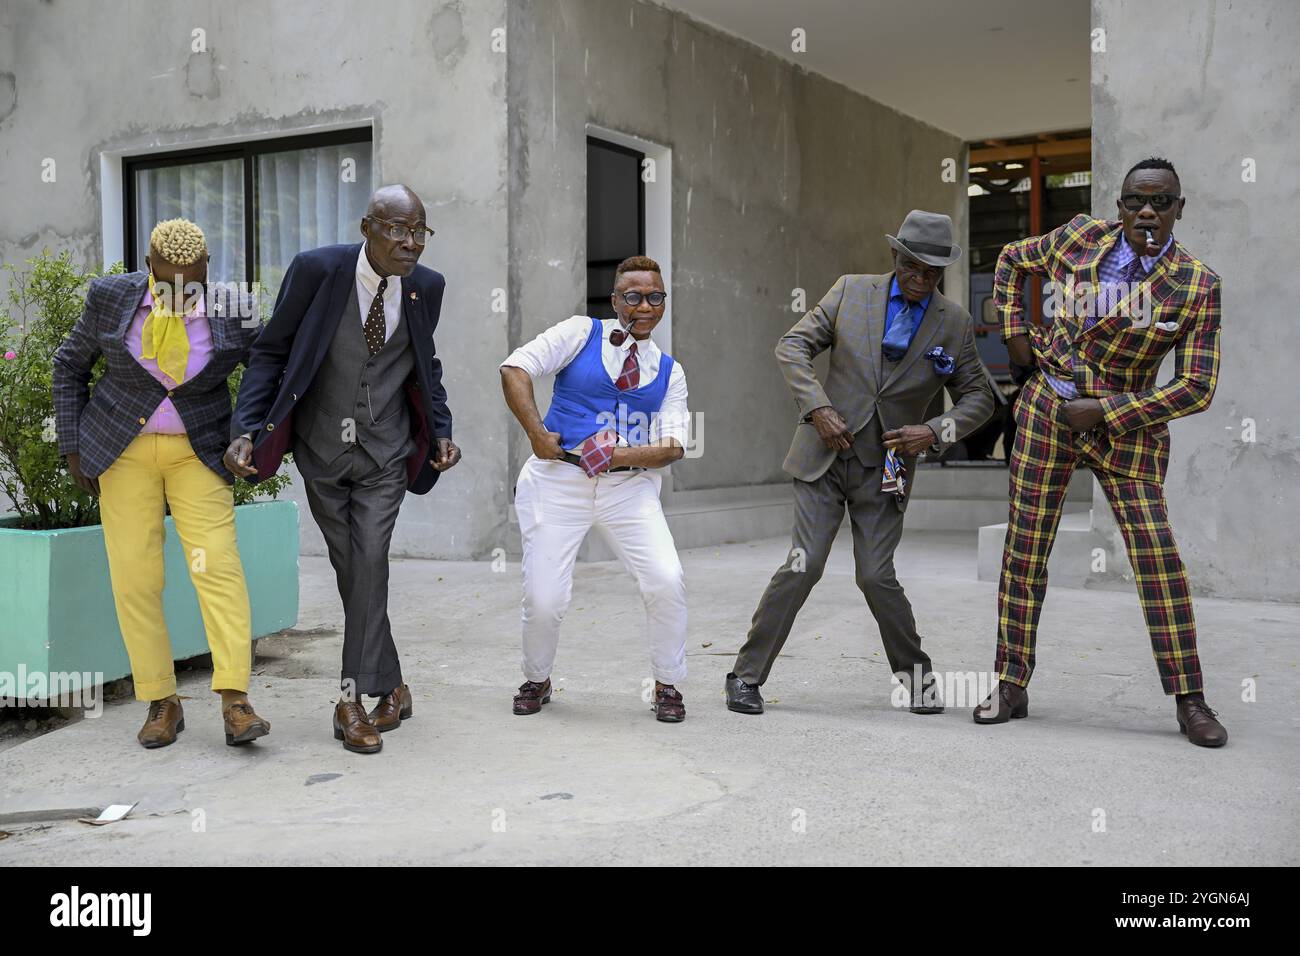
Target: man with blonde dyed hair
x: 149, y: 437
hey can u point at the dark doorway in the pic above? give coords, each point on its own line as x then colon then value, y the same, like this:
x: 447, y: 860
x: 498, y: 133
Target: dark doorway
x: 615, y: 218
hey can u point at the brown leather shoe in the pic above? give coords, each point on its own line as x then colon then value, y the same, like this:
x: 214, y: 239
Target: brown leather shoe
x: 166, y: 719
x: 243, y: 726
x: 353, y: 727
x: 1008, y: 700
x: 393, y: 708
x: 531, y: 696
x: 668, y: 705
x: 1197, y: 721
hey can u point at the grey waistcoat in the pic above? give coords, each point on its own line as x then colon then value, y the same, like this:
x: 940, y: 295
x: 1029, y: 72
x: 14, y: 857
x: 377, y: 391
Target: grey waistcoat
x: 357, y: 398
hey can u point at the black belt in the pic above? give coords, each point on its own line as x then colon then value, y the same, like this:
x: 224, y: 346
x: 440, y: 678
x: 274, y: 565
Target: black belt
x: 573, y: 459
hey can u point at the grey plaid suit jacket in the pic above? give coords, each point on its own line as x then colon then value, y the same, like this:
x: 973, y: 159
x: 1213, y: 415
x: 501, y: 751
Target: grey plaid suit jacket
x: 850, y: 321
x: 99, y: 424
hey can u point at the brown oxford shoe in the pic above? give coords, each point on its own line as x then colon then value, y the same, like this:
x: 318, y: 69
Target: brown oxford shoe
x: 531, y: 696
x: 166, y: 719
x: 353, y: 727
x: 243, y: 726
x: 1008, y: 700
x: 393, y: 708
x: 1197, y: 721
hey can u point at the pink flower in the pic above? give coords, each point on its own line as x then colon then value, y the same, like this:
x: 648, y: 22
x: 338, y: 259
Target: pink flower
x: 10, y: 355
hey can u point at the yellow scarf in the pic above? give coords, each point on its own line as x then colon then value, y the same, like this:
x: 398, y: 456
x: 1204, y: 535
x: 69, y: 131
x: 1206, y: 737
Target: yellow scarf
x: 164, y: 338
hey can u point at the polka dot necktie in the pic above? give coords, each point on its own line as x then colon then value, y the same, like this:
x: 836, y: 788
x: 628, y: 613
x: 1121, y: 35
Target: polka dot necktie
x: 374, y: 327
x: 630, y: 377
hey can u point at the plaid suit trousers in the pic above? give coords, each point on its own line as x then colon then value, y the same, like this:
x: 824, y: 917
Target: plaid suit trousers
x: 1043, y: 459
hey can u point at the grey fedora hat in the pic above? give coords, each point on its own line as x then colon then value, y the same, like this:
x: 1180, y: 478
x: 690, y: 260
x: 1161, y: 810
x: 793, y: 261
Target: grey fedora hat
x: 927, y: 237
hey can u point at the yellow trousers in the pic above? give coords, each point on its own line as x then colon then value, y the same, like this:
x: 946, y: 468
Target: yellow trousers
x: 155, y: 472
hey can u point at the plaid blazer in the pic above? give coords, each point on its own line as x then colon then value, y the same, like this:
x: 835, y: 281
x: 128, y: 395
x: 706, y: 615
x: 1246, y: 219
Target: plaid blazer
x: 99, y: 424
x: 1117, y: 360
x: 850, y: 321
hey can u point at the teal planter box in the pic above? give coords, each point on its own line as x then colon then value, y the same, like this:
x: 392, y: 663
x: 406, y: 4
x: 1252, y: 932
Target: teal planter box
x: 56, y: 600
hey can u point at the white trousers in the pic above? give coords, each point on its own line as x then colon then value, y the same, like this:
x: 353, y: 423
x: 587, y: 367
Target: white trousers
x: 557, y: 505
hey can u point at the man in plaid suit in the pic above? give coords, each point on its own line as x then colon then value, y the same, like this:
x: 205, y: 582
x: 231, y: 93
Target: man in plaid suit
x: 1121, y: 295
x: 149, y: 437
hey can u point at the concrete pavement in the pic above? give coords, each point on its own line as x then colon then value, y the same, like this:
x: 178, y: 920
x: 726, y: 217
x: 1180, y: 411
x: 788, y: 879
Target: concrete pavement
x: 832, y: 773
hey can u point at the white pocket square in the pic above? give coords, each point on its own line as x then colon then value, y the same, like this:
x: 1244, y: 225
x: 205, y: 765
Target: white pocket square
x: 1167, y: 326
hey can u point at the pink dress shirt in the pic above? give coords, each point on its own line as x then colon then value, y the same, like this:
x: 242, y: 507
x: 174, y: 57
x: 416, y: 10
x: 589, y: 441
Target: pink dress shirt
x: 166, y: 420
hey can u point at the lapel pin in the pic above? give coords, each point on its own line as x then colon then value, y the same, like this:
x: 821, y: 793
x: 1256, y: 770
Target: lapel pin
x: 415, y: 297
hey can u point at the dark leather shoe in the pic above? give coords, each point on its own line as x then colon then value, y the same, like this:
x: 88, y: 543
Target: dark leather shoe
x: 353, y: 727
x: 743, y: 698
x: 1197, y: 721
x: 532, y: 695
x: 668, y: 705
x: 243, y: 726
x: 1007, y: 700
x: 166, y: 719
x: 929, y: 700
x: 393, y: 708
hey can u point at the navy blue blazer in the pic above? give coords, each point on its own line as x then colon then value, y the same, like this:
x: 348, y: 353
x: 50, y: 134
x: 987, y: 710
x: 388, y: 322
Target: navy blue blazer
x: 286, y: 356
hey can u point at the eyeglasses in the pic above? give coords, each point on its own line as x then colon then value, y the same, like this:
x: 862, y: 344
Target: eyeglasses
x: 655, y: 299
x: 1134, y: 202
x: 398, y: 231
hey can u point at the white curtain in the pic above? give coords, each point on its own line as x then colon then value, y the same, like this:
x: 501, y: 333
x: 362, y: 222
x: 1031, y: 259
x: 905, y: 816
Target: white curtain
x: 210, y: 194
x: 308, y: 198
x: 305, y: 198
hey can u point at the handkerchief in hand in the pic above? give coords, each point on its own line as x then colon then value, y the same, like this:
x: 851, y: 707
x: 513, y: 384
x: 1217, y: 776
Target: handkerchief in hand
x: 894, y: 477
x: 597, y: 452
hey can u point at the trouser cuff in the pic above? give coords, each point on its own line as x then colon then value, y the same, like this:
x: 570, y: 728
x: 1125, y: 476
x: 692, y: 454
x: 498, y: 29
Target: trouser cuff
x: 155, y: 689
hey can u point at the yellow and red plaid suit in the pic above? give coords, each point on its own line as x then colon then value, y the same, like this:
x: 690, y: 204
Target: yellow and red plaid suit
x: 1115, y: 361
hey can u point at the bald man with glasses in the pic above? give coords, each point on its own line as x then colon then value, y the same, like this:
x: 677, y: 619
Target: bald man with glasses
x: 346, y: 376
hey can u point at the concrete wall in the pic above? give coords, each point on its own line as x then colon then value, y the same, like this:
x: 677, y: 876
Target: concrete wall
x: 79, y: 78
x: 1235, y: 504
x: 781, y: 180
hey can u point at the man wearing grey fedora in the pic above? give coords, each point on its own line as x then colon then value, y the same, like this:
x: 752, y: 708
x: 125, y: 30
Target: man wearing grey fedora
x: 895, y: 343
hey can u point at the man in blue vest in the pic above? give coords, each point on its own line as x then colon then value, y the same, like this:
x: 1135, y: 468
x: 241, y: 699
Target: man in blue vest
x: 618, y: 414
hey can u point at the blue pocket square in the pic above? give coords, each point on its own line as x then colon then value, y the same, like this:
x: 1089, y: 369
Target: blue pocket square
x: 943, y: 362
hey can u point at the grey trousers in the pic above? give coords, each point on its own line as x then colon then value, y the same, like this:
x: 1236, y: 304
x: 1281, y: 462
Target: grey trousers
x: 355, y: 503
x: 877, y: 526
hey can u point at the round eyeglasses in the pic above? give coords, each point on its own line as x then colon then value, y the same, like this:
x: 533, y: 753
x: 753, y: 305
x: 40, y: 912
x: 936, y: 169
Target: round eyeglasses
x: 655, y: 299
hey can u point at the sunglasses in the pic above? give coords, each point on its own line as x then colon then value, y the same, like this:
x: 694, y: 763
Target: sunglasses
x: 655, y: 299
x: 1133, y: 202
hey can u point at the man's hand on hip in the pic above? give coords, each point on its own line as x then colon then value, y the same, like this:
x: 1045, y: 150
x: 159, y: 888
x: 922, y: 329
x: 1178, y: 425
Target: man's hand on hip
x: 910, y: 439
x: 546, y: 445
x: 832, y: 428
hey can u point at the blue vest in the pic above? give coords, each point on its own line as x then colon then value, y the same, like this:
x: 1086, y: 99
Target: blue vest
x: 586, y: 400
